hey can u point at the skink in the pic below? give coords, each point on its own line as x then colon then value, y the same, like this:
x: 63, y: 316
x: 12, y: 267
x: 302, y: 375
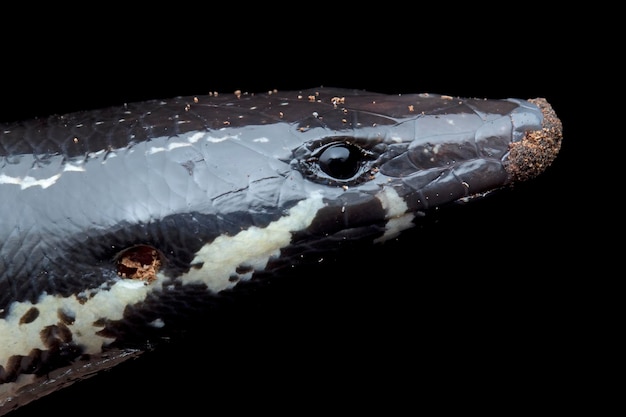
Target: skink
x: 120, y: 223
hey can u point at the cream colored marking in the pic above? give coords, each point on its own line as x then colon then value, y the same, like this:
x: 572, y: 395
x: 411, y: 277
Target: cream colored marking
x: 396, y: 225
x: 251, y: 247
x: 397, y: 213
x: 393, y: 204
x: 20, y: 339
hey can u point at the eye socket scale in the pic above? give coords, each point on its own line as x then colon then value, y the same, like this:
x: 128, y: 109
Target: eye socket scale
x: 338, y: 162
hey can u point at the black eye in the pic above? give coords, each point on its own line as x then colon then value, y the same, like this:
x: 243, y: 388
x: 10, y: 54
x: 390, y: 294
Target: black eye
x: 340, y: 160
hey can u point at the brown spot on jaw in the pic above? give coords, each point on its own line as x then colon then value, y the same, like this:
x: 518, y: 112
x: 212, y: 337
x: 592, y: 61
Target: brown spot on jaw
x: 244, y: 269
x: 12, y: 369
x: 30, y: 315
x: 198, y: 265
x: 101, y: 322
x: 54, y: 335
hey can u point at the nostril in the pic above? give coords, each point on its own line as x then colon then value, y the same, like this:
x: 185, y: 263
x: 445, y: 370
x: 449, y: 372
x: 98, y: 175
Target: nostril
x: 140, y: 262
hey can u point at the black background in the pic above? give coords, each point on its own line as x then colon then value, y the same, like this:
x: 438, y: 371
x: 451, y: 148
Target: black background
x: 478, y: 310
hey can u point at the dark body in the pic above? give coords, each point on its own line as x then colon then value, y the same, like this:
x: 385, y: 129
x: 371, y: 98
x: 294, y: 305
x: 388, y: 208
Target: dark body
x: 179, y: 174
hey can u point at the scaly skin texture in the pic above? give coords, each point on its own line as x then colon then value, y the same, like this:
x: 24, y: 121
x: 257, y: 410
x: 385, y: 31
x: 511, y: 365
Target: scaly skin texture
x: 219, y: 190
